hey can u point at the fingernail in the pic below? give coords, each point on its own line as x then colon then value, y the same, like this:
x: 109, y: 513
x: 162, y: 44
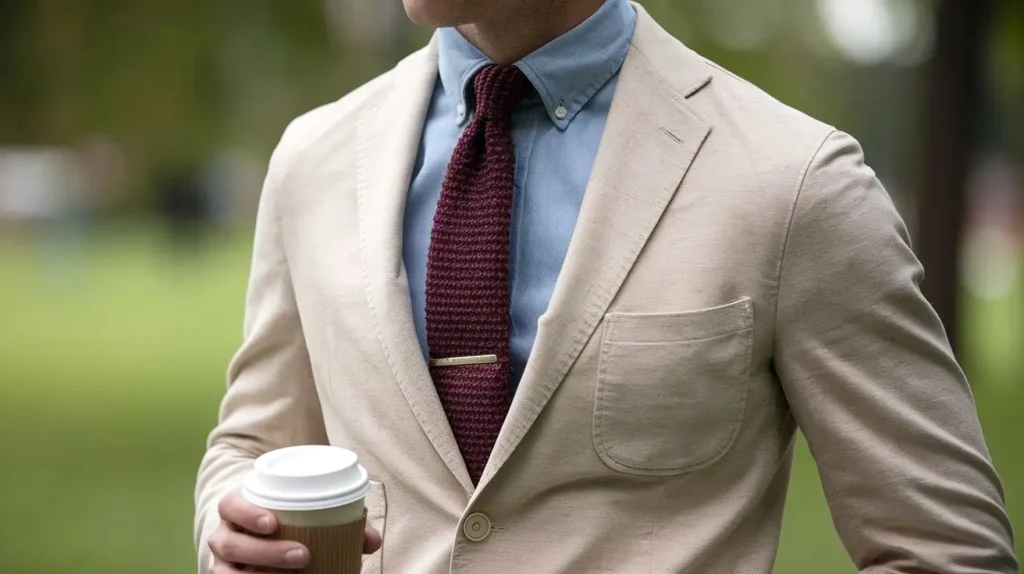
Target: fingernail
x: 297, y: 556
x: 264, y: 525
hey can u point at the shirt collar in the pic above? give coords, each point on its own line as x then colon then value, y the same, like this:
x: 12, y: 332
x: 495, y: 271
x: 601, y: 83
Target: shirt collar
x: 565, y: 72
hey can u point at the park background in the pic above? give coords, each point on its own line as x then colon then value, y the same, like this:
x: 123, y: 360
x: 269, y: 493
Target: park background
x: 134, y: 137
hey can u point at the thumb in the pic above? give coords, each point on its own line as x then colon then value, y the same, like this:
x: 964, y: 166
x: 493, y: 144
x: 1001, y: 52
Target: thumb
x: 372, y: 541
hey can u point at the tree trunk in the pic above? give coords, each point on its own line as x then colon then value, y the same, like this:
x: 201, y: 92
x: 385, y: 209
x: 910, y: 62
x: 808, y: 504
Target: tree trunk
x: 953, y: 92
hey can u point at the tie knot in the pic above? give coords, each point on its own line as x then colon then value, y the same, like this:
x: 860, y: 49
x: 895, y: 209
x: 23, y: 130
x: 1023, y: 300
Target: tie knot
x: 498, y: 88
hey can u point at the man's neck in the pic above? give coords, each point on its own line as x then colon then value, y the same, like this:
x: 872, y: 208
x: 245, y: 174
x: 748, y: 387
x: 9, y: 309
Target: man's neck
x: 511, y: 36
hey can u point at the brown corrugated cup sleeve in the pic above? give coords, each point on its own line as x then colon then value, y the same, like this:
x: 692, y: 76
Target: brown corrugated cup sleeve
x: 332, y: 549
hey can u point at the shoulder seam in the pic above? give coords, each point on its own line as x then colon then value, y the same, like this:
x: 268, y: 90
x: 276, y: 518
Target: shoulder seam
x: 801, y: 181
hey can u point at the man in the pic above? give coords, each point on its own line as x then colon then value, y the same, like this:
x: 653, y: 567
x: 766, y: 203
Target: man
x: 558, y: 356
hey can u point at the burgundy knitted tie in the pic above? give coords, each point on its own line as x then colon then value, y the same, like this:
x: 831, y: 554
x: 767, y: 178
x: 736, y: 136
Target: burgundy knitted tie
x: 467, y: 269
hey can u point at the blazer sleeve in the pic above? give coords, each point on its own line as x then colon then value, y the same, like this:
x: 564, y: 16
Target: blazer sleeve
x: 867, y: 369
x: 271, y: 400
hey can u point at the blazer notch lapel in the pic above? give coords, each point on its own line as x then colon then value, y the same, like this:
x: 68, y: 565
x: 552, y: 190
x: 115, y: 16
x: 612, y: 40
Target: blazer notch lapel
x: 389, y: 135
x: 651, y: 138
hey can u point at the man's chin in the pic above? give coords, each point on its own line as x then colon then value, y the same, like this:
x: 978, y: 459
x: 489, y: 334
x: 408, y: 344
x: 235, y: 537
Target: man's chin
x: 433, y: 13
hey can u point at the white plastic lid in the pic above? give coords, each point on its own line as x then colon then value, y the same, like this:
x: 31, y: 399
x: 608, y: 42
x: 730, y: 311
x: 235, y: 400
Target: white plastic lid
x: 302, y: 478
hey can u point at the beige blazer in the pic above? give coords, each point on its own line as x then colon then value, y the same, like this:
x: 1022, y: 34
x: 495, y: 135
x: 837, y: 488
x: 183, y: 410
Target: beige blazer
x: 737, y: 272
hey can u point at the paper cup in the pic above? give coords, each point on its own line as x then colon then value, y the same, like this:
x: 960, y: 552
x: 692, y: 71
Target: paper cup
x: 317, y: 494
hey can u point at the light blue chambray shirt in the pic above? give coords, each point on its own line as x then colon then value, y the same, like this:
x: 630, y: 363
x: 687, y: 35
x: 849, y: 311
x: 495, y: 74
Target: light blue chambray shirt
x: 555, y: 133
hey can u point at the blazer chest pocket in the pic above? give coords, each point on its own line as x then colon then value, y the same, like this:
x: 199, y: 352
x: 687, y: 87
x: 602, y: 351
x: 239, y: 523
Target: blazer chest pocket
x: 672, y: 388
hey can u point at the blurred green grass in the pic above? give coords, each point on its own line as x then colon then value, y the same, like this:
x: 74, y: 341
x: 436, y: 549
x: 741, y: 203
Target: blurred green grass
x: 111, y: 368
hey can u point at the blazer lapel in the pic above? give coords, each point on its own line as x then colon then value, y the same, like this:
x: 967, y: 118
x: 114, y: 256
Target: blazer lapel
x: 389, y: 136
x: 650, y: 140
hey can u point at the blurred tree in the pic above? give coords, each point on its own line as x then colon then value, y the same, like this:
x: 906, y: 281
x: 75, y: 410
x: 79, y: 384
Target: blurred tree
x: 950, y: 129
x: 18, y: 86
x: 1006, y: 74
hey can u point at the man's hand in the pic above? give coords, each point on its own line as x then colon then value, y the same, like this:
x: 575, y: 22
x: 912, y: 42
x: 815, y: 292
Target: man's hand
x: 239, y: 544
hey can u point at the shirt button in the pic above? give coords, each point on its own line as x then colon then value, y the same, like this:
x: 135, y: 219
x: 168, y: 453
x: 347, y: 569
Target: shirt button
x: 461, y: 110
x: 477, y: 527
x: 561, y: 112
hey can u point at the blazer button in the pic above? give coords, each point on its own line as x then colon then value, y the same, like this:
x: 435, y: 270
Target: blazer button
x: 477, y: 527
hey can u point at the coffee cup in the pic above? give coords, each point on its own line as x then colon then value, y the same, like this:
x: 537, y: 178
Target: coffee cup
x: 317, y: 494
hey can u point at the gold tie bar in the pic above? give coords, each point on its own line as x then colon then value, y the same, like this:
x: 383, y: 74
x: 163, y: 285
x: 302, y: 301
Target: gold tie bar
x: 459, y: 361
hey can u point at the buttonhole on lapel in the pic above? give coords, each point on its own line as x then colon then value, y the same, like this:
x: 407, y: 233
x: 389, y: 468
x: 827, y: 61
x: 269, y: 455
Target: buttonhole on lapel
x: 672, y: 135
